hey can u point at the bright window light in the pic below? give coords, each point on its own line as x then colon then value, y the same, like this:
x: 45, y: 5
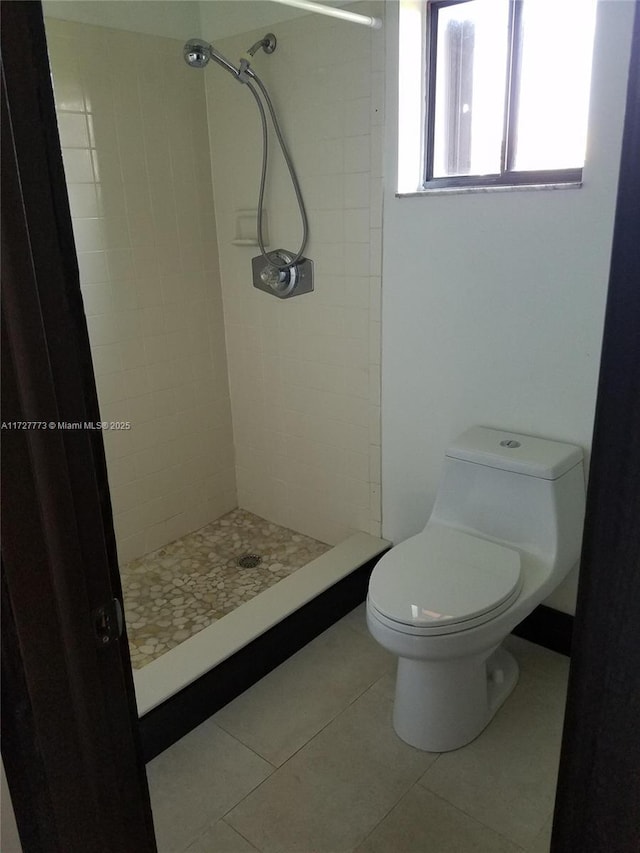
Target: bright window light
x: 410, y: 94
x: 555, y: 77
x: 505, y: 85
x: 471, y: 64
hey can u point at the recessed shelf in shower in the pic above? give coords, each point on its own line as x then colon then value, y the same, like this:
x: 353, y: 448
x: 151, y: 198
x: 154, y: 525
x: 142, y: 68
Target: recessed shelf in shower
x: 247, y: 228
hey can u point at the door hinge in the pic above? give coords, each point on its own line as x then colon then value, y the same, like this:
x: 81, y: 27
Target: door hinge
x: 108, y: 622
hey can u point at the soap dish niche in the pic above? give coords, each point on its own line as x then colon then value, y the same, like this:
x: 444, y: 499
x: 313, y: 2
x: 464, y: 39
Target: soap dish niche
x: 247, y: 228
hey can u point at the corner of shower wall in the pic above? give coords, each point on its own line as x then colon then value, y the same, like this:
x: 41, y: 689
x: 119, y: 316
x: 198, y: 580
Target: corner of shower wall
x: 132, y: 123
x: 304, y: 374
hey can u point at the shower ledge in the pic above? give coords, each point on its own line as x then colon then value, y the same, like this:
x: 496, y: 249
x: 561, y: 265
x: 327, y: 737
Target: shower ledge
x: 182, y: 665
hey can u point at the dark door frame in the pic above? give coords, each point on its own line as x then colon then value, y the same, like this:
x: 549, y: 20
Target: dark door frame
x: 70, y: 741
x: 598, y: 793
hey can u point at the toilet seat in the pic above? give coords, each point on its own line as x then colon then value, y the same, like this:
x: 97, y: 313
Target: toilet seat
x: 442, y: 581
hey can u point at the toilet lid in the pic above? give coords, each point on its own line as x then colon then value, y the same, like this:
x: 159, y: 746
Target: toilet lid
x: 442, y: 577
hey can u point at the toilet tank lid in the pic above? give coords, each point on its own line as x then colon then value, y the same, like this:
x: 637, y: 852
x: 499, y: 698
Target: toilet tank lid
x: 521, y: 454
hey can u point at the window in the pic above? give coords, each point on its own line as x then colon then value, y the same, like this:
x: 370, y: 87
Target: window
x: 507, y: 91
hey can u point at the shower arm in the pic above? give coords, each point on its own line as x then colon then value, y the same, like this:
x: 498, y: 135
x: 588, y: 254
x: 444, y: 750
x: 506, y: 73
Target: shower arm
x: 267, y: 43
x: 242, y: 72
x: 224, y: 62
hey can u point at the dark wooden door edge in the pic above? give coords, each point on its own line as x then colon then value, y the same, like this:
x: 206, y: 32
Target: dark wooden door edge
x: 69, y: 717
x: 598, y: 794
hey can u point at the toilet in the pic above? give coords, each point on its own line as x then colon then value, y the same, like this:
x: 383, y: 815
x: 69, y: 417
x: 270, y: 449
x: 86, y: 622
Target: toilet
x: 505, y: 530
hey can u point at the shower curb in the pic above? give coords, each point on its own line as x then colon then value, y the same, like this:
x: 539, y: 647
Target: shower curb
x: 181, y: 713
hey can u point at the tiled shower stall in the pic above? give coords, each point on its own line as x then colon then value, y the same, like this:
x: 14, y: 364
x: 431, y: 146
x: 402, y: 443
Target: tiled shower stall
x: 236, y: 399
x: 304, y: 373
x: 132, y: 123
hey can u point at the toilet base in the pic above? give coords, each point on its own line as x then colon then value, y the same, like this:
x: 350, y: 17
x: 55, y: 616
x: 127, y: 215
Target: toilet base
x: 443, y: 705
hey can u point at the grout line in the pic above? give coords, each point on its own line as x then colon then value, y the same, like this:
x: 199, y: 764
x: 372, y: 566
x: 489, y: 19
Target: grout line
x: 245, y: 745
x: 281, y: 766
x: 388, y: 812
x: 249, y: 747
x: 303, y: 746
x: 197, y: 838
x: 332, y: 720
x: 211, y: 826
x: 243, y: 798
x: 476, y: 820
x: 250, y: 843
x: 313, y: 736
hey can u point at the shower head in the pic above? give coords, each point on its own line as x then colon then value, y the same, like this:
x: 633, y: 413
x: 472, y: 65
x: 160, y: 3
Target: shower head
x: 197, y: 53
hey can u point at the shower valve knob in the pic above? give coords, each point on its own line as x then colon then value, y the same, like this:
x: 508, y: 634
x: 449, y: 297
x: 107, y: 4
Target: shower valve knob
x: 274, y: 277
x: 293, y: 280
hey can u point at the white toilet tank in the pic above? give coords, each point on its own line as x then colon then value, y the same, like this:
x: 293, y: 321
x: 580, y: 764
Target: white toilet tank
x: 516, y: 489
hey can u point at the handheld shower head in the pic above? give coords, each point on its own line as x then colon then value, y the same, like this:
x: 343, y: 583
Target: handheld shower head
x: 197, y: 53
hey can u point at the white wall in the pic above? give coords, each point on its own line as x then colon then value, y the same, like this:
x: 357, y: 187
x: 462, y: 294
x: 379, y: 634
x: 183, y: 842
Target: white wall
x: 493, y: 303
x: 179, y: 19
x: 305, y: 373
x: 222, y: 18
x: 173, y: 18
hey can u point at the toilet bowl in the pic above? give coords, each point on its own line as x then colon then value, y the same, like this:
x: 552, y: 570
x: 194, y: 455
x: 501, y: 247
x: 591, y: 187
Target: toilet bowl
x: 505, y: 530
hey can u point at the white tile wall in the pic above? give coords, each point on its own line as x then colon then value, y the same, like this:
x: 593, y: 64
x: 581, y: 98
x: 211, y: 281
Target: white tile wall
x: 304, y: 374
x: 132, y: 121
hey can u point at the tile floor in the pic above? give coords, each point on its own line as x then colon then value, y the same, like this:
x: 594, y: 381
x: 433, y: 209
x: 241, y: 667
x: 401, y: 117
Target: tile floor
x: 306, y: 761
x: 176, y: 591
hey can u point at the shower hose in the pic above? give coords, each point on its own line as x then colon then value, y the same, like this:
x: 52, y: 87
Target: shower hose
x: 263, y: 177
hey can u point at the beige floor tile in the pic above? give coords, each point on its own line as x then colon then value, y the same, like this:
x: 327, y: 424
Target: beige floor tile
x: 542, y: 841
x: 357, y: 620
x: 535, y: 658
x: 197, y: 780
x: 545, y: 672
x: 283, y: 711
x: 221, y: 838
x: 423, y: 822
x: 506, y: 778
x: 332, y: 793
x: 387, y: 685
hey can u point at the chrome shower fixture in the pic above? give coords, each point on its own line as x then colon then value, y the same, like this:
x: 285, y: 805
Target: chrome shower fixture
x: 277, y: 274
x: 197, y: 53
x: 268, y: 44
x: 281, y: 273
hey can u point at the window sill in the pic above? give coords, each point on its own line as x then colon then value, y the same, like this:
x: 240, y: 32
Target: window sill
x: 573, y: 185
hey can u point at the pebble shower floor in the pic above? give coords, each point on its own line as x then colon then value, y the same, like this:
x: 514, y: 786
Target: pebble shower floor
x: 176, y: 591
